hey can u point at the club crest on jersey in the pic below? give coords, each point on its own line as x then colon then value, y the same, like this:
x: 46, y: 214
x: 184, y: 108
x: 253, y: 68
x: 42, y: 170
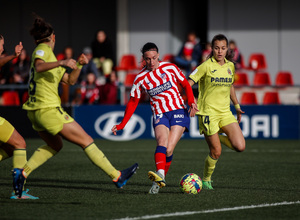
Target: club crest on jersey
x: 163, y: 76
x: 229, y: 71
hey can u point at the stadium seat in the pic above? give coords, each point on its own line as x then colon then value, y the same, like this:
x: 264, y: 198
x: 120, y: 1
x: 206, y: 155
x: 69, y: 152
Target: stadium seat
x: 10, y: 98
x: 262, y: 79
x: 129, y: 79
x: 241, y: 79
x: 128, y: 62
x: 168, y: 57
x: 271, y: 98
x: 284, y: 78
x: 257, y: 61
x: 249, y: 98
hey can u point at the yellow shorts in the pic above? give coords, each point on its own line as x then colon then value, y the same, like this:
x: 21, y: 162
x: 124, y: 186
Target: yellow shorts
x: 6, y: 130
x: 49, y: 119
x: 210, y: 125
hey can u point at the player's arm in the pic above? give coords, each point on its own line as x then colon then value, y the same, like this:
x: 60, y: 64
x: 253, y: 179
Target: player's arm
x: 18, y: 49
x: 236, y: 104
x: 71, y: 78
x: 190, y: 96
x: 130, y: 108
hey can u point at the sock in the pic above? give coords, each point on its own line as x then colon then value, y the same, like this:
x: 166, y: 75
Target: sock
x: 225, y: 140
x: 40, y: 156
x: 19, y: 158
x: 168, y: 163
x: 99, y: 159
x: 3, y: 155
x: 209, y: 167
x: 160, y: 159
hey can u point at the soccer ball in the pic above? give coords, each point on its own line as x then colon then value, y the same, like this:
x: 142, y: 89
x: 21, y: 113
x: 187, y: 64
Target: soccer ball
x: 191, y: 183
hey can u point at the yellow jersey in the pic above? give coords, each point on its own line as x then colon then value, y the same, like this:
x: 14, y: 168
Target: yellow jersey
x: 214, y: 83
x: 43, y: 86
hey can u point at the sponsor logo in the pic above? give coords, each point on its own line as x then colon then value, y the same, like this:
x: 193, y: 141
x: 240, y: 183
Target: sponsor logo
x: 134, y: 128
x: 179, y: 116
x: 160, y: 89
x: 221, y: 79
x: 213, y: 71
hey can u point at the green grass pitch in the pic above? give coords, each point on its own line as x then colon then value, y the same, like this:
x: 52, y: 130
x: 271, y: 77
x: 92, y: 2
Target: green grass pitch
x: 248, y: 185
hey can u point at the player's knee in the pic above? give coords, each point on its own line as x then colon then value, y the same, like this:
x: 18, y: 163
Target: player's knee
x: 240, y: 147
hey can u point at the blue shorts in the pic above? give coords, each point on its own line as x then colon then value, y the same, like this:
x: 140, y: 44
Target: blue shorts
x: 177, y: 117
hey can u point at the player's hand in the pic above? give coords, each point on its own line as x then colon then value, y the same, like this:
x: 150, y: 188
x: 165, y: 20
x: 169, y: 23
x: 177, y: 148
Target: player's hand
x: 239, y: 113
x: 82, y: 60
x: 193, y: 109
x: 18, y: 49
x: 69, y: 63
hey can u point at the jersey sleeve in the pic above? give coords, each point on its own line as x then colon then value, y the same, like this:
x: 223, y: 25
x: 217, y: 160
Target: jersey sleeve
x: 198, y: 73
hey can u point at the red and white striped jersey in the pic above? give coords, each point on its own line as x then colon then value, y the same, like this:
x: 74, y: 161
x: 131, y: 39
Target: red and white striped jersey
x: 161, y: 86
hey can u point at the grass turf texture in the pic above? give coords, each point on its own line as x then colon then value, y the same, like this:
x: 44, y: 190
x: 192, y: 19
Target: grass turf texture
x: 71, y: 187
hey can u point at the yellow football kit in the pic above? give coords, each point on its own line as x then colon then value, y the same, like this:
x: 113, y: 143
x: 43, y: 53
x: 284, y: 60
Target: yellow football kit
x: 214, y: 82
x: 44, y: 104
x: 6, y: 130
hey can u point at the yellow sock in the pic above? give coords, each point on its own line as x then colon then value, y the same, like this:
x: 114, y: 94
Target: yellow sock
x: 3, y: 154
x: 19, y: 158
x: 100, y: 160
x: 225, y: 140
x: 209, y: 167
x: 40, y: 156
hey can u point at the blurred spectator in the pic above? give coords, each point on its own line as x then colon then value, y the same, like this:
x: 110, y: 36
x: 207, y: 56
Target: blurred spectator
x: 237, y: 59
x: 90, y: 67
x: 109, y: 91
x: 66, y: 92
x: 20, y: 68
x: 206, y: 51
x: 89, y: 90
x: 5, y: 77
x: 189, y: 56
x: 103, y: 52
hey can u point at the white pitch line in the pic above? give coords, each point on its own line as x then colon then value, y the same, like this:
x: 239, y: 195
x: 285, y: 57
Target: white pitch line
x: 209, y: 211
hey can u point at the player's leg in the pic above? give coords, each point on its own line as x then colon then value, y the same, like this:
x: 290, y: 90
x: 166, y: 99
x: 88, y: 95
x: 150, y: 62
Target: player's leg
x: 174, y: 136
x: 42, y: 154
x: 209, y: 125
x: 215, y: 150
x: 74, y: 133
x: 161, y: 135
x: 235, y: 136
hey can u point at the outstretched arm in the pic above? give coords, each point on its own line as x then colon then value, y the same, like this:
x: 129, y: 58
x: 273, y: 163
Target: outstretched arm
x: 18, y: 49
x: 190, y: 96
x: 71, y: 78
x: 130, y: 108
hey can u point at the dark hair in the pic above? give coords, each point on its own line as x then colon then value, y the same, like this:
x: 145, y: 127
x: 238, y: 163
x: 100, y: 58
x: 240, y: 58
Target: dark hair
x: 149, y: 47
x: 1, y: 37
x: 41, y: 30
x: 220, y: 37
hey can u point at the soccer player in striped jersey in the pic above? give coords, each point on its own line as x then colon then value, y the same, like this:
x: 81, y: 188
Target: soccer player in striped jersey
x: 215, y: 79
x: 170, y: 115
x: 12, y: 144
x: 46, y: 114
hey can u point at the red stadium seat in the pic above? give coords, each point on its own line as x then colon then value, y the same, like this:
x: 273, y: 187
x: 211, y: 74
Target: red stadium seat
x: 271, y: 98
x: 241, y: 79
x: 168, y: 57
x: 257, y: 61
x: 128, y: 62
x: 10, y: 98
x: 284, y: 78
x: 249, y: 98
x: 129, y: 79
x: 262, y: 79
